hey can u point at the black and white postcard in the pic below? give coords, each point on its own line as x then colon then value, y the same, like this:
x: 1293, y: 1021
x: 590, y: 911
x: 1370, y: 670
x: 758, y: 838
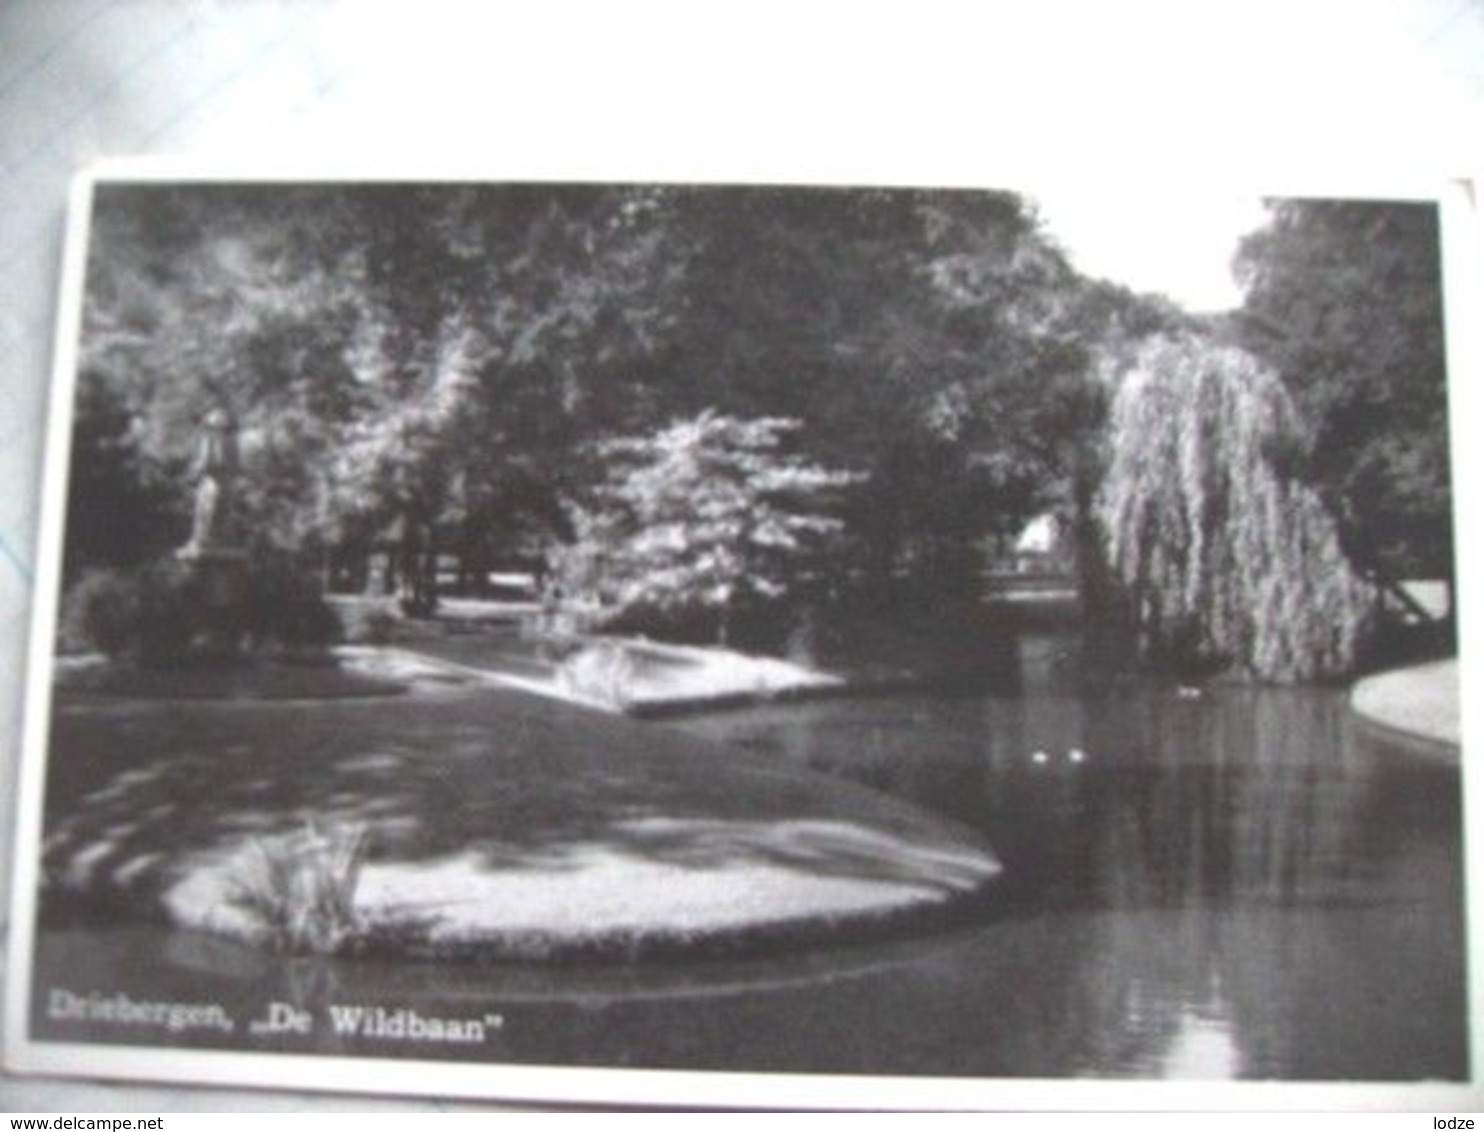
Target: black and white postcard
x: 702, y: 643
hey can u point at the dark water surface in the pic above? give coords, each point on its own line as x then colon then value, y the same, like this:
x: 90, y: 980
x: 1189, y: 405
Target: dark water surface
x: 1234, y: 884
x: 1237, y: 884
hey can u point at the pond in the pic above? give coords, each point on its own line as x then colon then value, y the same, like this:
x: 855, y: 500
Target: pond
x: 1219, y: 883
x: 1228, y: 883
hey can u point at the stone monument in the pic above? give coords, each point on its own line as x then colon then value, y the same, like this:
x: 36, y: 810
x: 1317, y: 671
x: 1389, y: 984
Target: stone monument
x: 214, y: 470
x: 214, y: 558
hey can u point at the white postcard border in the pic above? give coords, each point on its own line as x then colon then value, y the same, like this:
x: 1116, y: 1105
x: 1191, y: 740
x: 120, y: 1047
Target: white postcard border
x: 1463, y: 257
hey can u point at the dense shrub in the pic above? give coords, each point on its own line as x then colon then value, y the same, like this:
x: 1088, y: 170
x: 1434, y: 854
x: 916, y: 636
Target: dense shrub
x: 699, y: 524
x: 606, y: 671
x: 100, y: 611
x: 183, y: 618
x: 284, y: 606
x: 157, y: 614
x: 171, y: 612
x: 753, y: 627
x: 366, y: 621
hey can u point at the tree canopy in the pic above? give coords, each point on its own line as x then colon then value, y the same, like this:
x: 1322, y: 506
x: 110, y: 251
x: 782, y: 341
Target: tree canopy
x: 1344, y: 298
x: 394, y: 357
x: 1229, y: 559
x: 433, y: 364
x: 710, y: 515
x: 519, y: 373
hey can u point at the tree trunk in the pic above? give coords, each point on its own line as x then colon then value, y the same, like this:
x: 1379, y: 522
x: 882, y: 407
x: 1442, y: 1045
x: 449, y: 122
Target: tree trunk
x: 1106, y: 622
x: 418, y: 566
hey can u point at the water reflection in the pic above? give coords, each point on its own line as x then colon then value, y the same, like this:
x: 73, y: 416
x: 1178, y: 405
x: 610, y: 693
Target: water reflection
x: 1204, y: 1047
x: 1229, y: 884
x: 1235, y: 884
x: 1125, y: 800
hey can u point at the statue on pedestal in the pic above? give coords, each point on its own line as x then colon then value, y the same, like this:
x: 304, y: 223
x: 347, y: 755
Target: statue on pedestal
x: 214, y: 470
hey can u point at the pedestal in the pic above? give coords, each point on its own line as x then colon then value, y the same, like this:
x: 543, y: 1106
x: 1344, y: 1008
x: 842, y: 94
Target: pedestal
x: 218, y: 579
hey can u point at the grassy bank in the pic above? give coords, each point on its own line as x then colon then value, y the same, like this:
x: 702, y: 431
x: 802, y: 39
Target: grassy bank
x: 490, y: 823
x: 1421, y: 702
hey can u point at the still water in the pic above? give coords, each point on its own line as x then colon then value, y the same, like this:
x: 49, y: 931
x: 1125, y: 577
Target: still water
x: 1234, y: 883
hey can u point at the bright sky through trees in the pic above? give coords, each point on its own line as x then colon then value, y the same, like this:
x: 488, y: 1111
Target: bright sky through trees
x: 1178, y: 242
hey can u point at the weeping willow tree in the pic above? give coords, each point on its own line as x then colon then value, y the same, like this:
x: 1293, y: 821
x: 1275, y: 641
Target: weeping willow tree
x: 1229, y: 560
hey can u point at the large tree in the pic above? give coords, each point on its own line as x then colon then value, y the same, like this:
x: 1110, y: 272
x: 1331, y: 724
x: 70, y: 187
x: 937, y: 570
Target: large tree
x: 402, y: 363
x: 1228, y: 558
x: 220, y: 299
x: 710, y: 515
x: 936, y: 341
x: 499, y: 321
x: 429, y: 364
x: 1345, y: 299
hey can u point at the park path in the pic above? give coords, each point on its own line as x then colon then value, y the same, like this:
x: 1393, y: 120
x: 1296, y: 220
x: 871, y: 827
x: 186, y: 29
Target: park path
x: 1421, y: 702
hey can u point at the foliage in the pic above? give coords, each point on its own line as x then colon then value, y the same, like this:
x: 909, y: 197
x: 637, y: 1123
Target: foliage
x: 284, y: 606
x: 100, y: 611
x: 122, y: 508
x: 1345, y: 300
x: 710, y: 513
x: 421, y: 370
x: 489, y: 318
x: 186, y: 617
x: 403, y: 362
x: 1228, y: 559
x: 937, y: 341
x: 167, y: 612
x: 604, y: 670
x: 300, y: 888
x: 366, y: 621
x: 221, y: 298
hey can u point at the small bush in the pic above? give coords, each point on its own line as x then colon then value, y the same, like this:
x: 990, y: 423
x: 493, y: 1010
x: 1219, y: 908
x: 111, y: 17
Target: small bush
x: 185, y: 617
x: 418, y: 606
x: 366, y: 621
x: 283, y: 606
x: 101, y: 611
x: 604, y: 671
x: 173, y: 612
x: 160, y: 614
x: 301, y: 887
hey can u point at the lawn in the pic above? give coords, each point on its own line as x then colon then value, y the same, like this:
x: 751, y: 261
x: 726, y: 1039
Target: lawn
x: 494, y: 823
x: 1421, y: 701
x: 632, y: 674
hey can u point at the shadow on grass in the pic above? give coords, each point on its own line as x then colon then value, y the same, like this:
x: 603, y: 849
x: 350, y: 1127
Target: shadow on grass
x: 139, y: 792
x: 254, y: 680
